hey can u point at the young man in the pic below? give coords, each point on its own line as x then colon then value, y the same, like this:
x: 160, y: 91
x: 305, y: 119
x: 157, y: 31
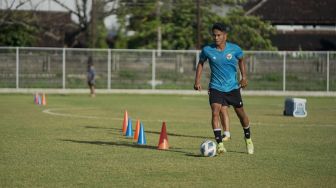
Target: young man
x: 91, y: 73
x: 224, y: 89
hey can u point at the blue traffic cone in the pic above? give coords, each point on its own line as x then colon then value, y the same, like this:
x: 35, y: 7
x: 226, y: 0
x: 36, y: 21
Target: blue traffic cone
x: 129, y: 131
x: 142, y: 136
x: 39, y: 99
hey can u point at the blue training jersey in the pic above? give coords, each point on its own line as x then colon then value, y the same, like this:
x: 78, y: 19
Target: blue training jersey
x: 223, y: 65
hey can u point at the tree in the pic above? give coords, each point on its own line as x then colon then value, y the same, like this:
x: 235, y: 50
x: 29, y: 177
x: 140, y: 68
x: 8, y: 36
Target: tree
x: 250, y: 32
x: 177, y: 21
x: 90, y: 30
x: 24, y: 28
x: 17, y: 28
x: 78, y: 37
x: 179, y: 24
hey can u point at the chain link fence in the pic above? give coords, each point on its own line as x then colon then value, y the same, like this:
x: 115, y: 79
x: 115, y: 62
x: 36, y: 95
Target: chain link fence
x: 66, y: 68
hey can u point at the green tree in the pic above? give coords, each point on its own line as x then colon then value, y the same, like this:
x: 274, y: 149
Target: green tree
x: 17, y: 35
x: 17, y: 28
x: 175, y: 17
x: 178, y: 23
x: 250, y: 32
x: 90, y: 29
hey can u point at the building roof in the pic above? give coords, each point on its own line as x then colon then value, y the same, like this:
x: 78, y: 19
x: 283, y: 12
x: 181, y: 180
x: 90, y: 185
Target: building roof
x: 294, y: 12
x: 305, y: 40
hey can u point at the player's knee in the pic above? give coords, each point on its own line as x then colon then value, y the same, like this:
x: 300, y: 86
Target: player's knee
x: 215, y: 114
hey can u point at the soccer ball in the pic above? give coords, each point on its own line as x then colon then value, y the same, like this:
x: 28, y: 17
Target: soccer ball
x: 208, y: 148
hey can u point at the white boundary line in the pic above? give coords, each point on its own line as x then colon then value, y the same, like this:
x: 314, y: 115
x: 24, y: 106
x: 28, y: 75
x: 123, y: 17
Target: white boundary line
x: 49, y: 111
x: 52, y: 112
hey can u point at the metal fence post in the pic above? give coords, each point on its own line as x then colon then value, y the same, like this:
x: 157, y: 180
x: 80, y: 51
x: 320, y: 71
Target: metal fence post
x: 109, y: 69
x: 153, y: 69
x: 63, y: 69
x: 284, y: 72
x: 17, y: 68
x: 328, y: 73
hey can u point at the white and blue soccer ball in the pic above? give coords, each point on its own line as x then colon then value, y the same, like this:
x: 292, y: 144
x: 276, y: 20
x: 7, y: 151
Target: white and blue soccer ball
x: 208, y: 148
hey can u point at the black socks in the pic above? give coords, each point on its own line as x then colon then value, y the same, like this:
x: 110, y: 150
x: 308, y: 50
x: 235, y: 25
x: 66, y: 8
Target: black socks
x: 218, y: 136
x: 247, y: 132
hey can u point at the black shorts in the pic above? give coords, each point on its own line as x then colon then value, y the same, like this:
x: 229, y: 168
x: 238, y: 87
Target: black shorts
x: 232, y: 98
x: 91, y: 83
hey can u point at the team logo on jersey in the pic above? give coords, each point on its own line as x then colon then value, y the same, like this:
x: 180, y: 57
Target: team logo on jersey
x: 229, y: 56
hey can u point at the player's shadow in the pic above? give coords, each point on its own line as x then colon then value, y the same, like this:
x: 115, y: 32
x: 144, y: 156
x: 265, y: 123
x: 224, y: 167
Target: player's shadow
x: 127, y: 144
x: 177, y: 150
x: 151, y: 132
x: 238, y: 152
x: 274, y: 114
x: 105, y: 128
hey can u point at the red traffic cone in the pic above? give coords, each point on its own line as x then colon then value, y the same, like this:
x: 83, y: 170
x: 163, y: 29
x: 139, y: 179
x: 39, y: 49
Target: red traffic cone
x: 36, y: 98
x: 137, y: 129
x: 163, y: 142
x: 125, y: 123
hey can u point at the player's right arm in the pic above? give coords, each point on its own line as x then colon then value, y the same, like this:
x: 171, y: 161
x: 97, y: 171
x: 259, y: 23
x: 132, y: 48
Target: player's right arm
x: 202, y: 58
x: 243, y: 82
x: 199, y: 69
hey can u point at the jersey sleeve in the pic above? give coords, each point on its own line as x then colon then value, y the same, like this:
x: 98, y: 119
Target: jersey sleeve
x: 202, y: 56
x: 239, y: 53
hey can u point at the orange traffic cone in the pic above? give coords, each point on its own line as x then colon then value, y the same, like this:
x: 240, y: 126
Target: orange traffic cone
x: 137, y: 129
x: 44, y: 100
x: 125, y: 123
x: 163, y: 142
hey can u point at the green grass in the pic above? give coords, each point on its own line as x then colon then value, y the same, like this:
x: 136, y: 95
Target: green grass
x: 82, y: 146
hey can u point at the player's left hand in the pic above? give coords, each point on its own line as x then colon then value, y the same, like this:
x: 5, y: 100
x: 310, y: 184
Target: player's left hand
x: 243, y: 83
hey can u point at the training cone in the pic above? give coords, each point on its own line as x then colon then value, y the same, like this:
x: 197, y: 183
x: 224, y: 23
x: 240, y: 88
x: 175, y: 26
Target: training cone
x: 39, y: 99
x: 137, y: 129
x: 163, y: 142
x: 142, y: 136
x: 125, y: 123
x: 129, y: 131
x: 44, y: 100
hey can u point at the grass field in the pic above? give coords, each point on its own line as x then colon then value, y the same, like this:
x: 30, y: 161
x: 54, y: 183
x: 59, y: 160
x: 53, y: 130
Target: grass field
x: 76, y: 141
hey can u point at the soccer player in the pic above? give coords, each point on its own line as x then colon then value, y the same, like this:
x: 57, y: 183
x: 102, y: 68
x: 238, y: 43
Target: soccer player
x: 224, y: 89
x: 91, y: 73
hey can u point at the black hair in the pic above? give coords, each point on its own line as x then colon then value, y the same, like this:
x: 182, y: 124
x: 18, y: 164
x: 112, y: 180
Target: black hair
x: 220, y: 27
